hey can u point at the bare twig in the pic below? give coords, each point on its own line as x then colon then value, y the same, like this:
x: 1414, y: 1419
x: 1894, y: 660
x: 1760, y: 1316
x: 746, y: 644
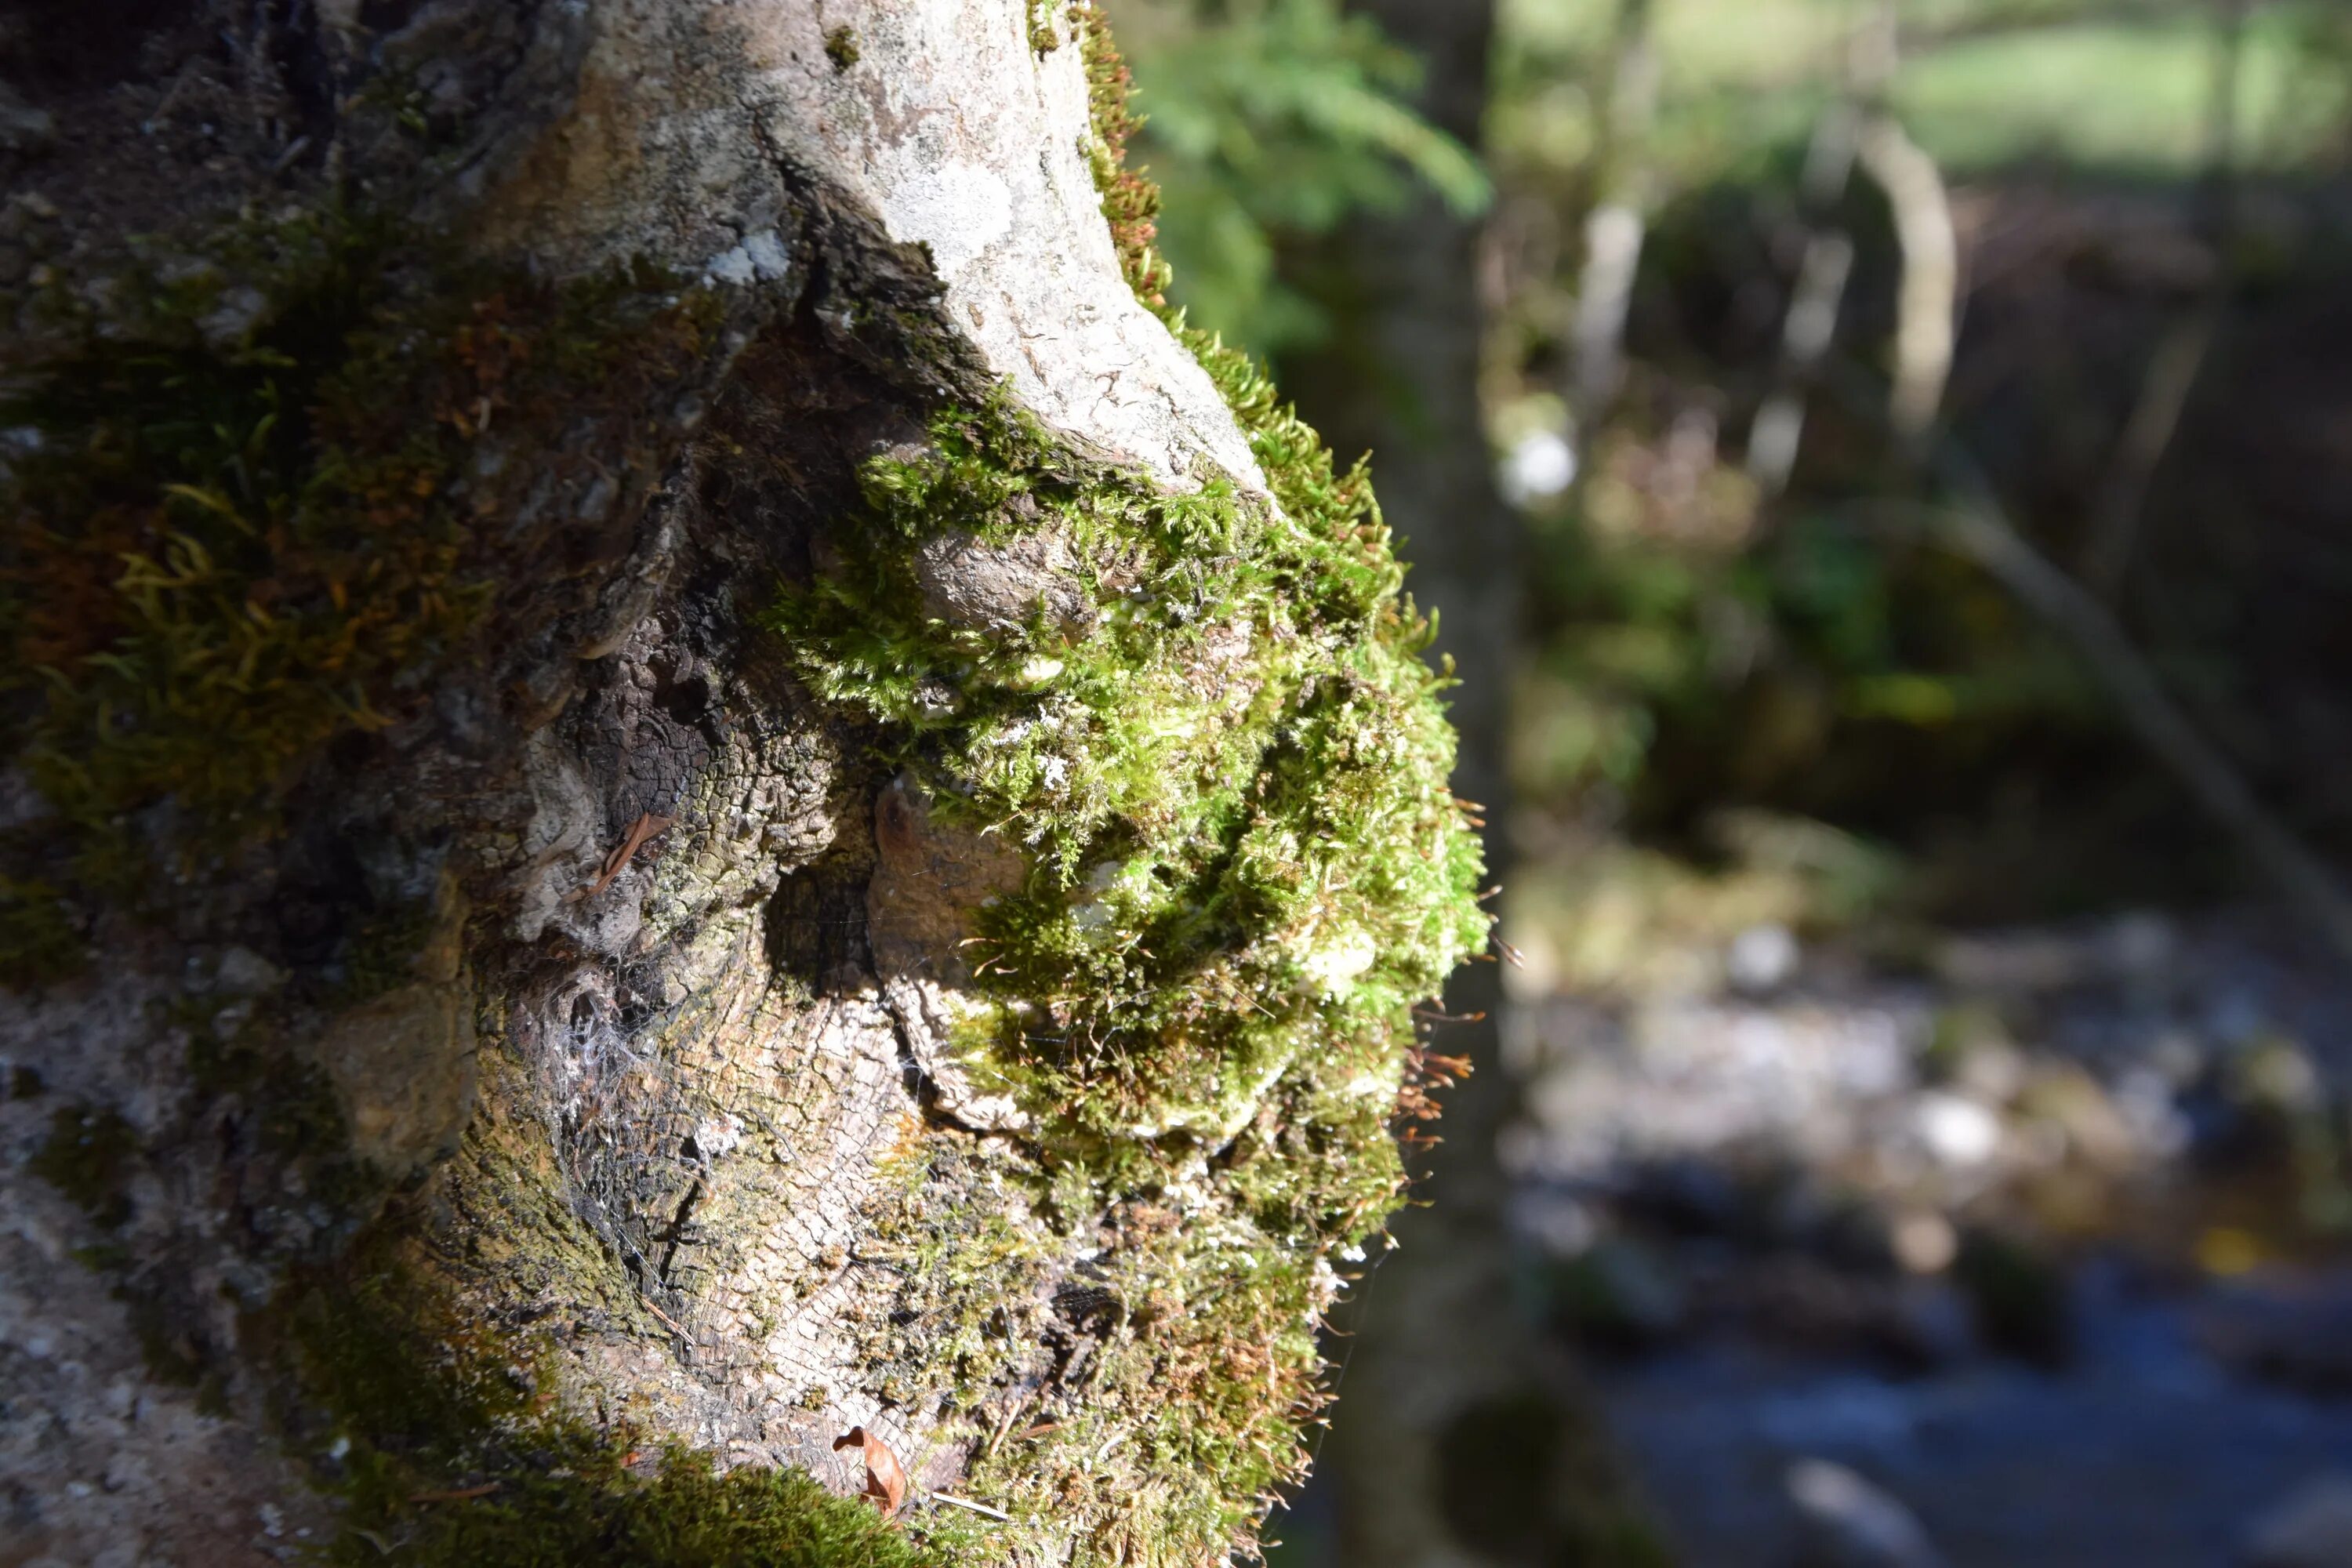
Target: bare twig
x: 667, y: 1321
x: 2172, y: 369
x: 2163, y: 393
x: 1779, y: 428
x: 645, y: 827
x: 1981, y: 529
x: 979, y: 1508
x: 1928, y: 300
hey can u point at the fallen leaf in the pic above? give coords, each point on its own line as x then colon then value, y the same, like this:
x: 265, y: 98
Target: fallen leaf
x: 645, y: 827
x: 885, y: 1480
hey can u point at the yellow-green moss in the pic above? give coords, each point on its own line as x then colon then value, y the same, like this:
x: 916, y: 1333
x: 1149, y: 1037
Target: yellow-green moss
x: 841, y: 48
x: 227, y: 547
x: 1043, y: 37
x: 1232, y: 785
x: 88, y: 1156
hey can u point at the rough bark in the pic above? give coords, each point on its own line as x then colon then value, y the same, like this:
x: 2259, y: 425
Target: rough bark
x: 679, y: 784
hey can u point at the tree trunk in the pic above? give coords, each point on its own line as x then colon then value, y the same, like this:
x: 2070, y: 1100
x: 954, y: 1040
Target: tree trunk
x: 688, y: 807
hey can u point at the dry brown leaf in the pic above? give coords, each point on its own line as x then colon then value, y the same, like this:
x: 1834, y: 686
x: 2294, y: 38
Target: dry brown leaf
x: 646, y: 826
x: 886, y: 1479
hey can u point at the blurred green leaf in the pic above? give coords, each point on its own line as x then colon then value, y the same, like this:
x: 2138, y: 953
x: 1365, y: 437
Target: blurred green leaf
x: 1267, y: 119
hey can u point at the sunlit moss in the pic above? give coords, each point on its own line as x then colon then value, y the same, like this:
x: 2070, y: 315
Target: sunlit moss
x: 1229, y: 779
x: 1231, y: 783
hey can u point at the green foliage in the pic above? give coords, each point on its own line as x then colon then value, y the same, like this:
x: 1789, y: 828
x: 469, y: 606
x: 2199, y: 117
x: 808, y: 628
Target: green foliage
x: 1982, y: 84
x: 1275, y: 119
x: 1655, y: 635
x: 2128, y: 95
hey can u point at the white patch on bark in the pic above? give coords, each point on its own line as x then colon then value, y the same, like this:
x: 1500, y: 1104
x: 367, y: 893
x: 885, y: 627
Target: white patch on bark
x: 947, y: 126
x: 969, y: 142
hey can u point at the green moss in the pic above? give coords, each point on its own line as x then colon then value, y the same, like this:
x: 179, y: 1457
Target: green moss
x: 381, y: 950
x: 841, y: 48
x: 39, y: 943
x: 228, y: 547
x: 451, y: 1452
x: 89, y: 1156
x: 1130, y: 203
x: 1043, y: 37
x: 1233, y: 784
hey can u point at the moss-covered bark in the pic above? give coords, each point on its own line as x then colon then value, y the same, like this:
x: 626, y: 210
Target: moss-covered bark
x: 681, y: 870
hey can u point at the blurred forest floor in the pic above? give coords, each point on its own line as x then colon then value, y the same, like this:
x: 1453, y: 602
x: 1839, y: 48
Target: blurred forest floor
x: 1934, y: 1134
